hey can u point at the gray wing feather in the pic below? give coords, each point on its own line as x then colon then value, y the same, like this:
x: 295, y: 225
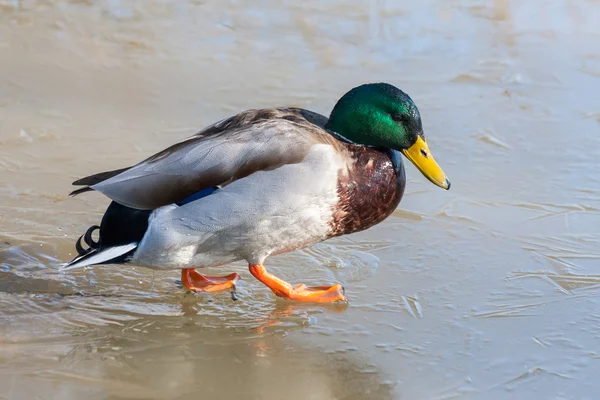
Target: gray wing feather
x: 210, y: 159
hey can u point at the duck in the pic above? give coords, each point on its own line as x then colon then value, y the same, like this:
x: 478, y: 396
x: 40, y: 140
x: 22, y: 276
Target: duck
x: 261, y: 183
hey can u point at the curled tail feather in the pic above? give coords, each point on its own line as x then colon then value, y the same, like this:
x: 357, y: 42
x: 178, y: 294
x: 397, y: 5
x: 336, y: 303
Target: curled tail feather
x: 89, y: 240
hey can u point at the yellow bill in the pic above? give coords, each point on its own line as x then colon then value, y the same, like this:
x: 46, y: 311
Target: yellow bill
x: 420, y: 155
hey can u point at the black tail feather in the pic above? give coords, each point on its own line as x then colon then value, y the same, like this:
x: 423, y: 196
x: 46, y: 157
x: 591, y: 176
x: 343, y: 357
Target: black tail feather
x: 94, y: 179
x: 79, y: 191
x: 99, y: 177
x: 89, y: 240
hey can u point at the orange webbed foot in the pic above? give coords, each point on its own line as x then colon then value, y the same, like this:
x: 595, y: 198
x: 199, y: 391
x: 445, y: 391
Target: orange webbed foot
x: 193, y: 280
x: 316, y: 294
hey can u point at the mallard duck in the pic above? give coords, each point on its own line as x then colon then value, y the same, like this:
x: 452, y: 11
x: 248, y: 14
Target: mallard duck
x: 260, y: 183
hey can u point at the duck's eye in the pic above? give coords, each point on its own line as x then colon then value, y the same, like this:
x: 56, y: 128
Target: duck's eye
x: 398, y: 117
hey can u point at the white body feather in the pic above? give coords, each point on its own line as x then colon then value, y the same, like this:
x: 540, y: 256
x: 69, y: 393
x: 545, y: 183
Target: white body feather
x: 266, y: 213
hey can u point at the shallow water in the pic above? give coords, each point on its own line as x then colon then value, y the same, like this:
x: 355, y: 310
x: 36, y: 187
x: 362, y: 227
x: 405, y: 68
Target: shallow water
x: 488, y: 291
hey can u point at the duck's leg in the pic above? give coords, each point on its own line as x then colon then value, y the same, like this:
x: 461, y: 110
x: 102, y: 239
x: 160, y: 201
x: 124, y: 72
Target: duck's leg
x: 193, y: 280
x: 316, y: 294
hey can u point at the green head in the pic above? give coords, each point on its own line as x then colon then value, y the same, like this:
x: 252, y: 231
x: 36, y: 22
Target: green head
x: 381, y: 115
x: 377, y: 114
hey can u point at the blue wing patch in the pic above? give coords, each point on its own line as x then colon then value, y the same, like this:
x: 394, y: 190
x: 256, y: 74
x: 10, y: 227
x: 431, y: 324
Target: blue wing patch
x: 198, y: 195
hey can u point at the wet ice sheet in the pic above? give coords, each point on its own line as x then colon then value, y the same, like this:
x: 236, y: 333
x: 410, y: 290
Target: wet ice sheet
x: 487, y: 291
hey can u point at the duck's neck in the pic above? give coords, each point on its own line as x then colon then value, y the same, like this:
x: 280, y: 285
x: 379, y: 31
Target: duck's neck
x: 344, y: 130
x: 396, y: 158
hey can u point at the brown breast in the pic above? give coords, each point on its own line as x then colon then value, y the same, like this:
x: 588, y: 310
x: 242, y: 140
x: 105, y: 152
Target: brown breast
x: 369, y: 191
